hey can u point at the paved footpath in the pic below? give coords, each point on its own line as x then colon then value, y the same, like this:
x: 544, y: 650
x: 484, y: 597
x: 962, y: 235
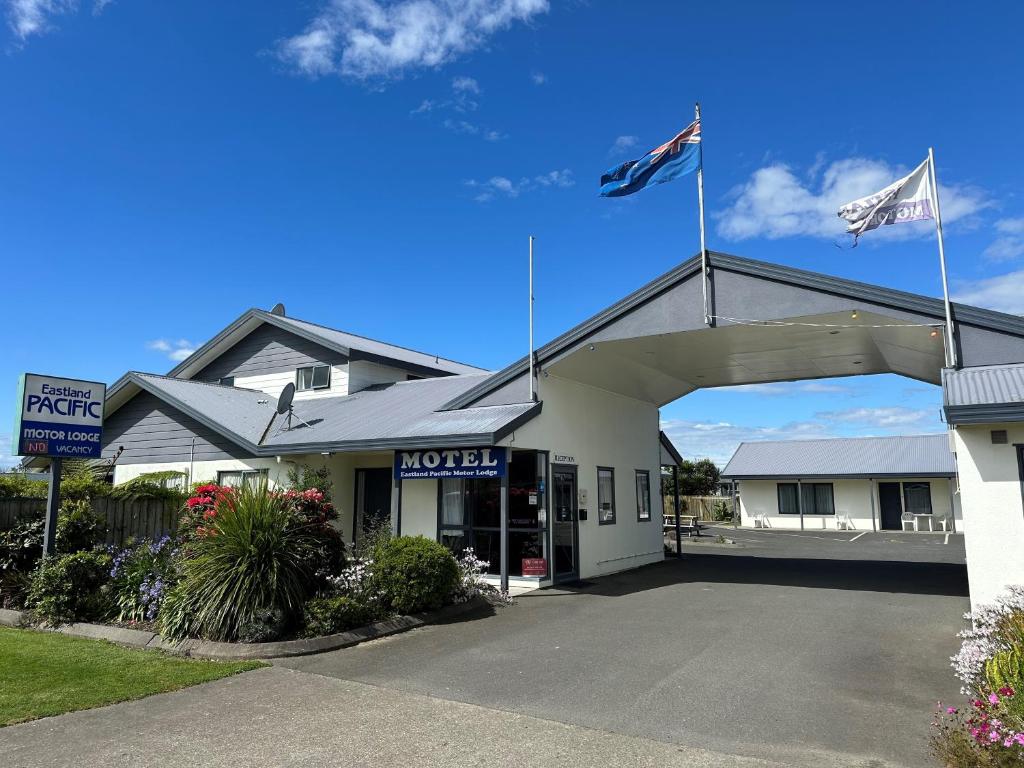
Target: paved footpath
x: 281, y: 717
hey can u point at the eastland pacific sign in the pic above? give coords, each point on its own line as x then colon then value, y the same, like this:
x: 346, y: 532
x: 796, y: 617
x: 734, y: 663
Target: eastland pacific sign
x: 60, y: 418
x: 442, y: 463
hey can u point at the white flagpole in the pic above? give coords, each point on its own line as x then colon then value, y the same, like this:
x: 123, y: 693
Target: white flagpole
x: 533, y: 388
x: 700, y: 205
x: 950, y: 348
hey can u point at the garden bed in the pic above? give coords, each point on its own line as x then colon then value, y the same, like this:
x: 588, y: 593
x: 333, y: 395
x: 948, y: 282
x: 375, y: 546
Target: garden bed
x: 206, y: 649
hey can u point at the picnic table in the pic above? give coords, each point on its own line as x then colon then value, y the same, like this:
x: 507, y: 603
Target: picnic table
x: 689, y: 524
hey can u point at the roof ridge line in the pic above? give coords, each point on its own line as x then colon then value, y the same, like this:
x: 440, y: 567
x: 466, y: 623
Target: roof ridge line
x: 377, y: 341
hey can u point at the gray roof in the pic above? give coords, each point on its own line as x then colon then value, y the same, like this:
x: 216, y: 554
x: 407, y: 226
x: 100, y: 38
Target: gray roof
x: 405, y: 412
x: 243, y: 413
x: 372, y: 346
x: 339, y: 341
x: 905, y: 456
x: 384, y: 417
x: 984, y: 394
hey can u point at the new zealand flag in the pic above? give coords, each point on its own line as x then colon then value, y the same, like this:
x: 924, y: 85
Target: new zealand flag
x: 674, y: 158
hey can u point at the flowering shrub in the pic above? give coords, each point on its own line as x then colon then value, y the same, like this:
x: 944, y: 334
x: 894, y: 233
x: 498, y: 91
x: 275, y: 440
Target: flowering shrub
x: 983, y: 737
x: 472, y: 584
x: 200, y: 512
x: 994, y: 628
x: 990, y: 664
x: 141, y: 575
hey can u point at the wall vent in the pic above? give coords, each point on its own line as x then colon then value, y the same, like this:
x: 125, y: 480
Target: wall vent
x: 999, y: 437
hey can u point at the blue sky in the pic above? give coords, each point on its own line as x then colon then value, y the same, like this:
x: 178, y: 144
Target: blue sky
x: 377, y: 166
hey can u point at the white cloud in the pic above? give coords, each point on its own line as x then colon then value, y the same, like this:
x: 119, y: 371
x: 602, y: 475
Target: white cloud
x: 1004, y: 293
x: 32, y: 17
x: 886, y: 417
x: 539, y: 78
x: 775, y: 202
x: 465, y: 85
x: 719, y: 440
x: 1009, y: 245
x: 176, y: 350
x: 372, y: 39
x: 622, y: 143
x: 494, y: 136
x: 500, y: 185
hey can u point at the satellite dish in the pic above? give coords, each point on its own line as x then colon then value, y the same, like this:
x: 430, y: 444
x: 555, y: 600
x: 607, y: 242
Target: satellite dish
x: 278, y: 310
x: 284, y: 402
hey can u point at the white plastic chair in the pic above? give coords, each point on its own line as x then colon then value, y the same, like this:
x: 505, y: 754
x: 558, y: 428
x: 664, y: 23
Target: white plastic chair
x: 843, y: 521
x: 946, y: 522
x: 761, y: 520
x: 908, y: 517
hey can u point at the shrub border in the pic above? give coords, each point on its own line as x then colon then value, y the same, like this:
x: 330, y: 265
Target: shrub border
x: 206, y: 649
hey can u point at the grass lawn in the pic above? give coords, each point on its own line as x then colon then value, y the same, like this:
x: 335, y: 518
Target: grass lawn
x: 45, y: 673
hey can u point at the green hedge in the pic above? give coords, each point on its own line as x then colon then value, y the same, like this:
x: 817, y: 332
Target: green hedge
x: 414, y: 574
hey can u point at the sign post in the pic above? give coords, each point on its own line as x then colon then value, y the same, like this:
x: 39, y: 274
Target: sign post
x: 58, y: 418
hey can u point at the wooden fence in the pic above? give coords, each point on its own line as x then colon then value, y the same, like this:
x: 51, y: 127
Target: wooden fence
x: 703, y: 507
x: 134, y: 519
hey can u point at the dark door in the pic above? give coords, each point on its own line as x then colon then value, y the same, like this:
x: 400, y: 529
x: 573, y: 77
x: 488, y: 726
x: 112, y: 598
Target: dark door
x: 373, y: 500
x: 891, y: 506
x: 564, y: 530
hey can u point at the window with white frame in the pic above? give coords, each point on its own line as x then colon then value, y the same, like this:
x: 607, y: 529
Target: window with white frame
x: 313, y: 377
x: 238, y: 478
x: 917, y: 498
x: 643, y: 495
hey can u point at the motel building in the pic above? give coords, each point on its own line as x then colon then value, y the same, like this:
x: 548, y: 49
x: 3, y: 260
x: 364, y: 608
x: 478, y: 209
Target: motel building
x: 565, y: 484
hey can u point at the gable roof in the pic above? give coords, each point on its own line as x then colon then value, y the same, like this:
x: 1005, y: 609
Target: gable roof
x: 904, y: 456
x: 900, y: 300
x: 338, y: 341
x: 384, y: 417
x: 984, y: 394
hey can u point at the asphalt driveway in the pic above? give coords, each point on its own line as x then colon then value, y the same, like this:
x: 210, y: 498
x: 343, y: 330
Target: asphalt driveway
x: 821, y: 648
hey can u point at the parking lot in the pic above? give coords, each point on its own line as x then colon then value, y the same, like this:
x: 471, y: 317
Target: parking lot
x: 816, y: 648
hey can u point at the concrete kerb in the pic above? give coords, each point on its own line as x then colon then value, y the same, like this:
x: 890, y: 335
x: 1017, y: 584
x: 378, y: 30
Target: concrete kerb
x: 205, y: 649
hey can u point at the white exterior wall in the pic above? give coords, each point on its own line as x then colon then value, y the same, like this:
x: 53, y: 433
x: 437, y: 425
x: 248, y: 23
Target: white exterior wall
x: 273, y: 383
x: 600, y: 428
x: 419, y: 508
x: 206, y: 471
x: 852, y: 496
x: 990, y: 488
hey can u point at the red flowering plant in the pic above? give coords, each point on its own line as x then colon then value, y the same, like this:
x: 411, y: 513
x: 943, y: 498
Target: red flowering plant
x: 312, y: 508
x: 200, y: 512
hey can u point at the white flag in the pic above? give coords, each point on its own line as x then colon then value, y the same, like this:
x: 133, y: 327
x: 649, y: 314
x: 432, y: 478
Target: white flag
x: 909, y: 199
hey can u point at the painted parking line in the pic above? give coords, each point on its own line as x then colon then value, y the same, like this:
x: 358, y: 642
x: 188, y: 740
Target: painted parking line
x: 858, y: 536
x: 947, y: 539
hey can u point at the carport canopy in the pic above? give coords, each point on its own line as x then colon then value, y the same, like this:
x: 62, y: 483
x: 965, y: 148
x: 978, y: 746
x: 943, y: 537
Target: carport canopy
x: 770, y: 323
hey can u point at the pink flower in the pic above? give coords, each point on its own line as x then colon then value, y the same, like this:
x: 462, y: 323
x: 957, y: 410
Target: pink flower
x: 951, y: 710
x: 993, y: 698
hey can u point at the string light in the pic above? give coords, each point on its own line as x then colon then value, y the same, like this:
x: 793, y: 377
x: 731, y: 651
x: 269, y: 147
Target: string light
x: 787, y: 323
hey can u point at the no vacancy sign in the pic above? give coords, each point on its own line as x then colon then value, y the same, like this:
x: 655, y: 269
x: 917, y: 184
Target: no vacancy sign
x: 60, y: 418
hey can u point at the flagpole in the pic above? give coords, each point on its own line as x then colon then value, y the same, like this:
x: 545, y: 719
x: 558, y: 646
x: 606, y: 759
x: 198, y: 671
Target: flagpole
x: 951, y: 360
x: 533, y: 388
x: 700, y: 205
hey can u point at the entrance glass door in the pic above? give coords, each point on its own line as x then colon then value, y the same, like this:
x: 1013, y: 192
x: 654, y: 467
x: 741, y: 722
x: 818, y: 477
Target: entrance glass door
x: 564, y: 531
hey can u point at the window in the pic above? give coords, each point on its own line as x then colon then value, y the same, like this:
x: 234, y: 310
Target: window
x: 605, y: 496
x: 226, y: 381
x: 917, y: 498
x: 788, y: 503
x: 248, y: 478
x: 643, y: 495
x: 469, y: 513
x: 313, y: 377
x: 815, y: 499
